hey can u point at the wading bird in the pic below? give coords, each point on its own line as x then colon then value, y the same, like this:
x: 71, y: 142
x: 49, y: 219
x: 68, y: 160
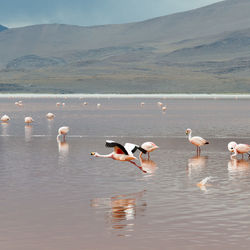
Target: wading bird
x: 238, y: 149
x: 63, y: 131
x: 148, y: 147
x: 28, y: 120
x: 5, y: 118
x: 196, y: 140
x: 50, y: 116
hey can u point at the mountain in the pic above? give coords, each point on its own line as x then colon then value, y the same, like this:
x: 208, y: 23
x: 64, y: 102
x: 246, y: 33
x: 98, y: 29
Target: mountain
x: 202, y: 50
x: 2, y: 28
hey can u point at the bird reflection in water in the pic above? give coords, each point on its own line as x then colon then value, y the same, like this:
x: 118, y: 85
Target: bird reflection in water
x: 196, y: 164
x: 239, y: 167
x: 28, y: 133
x: 63, y: 150
x: 4, y: 128
x: 146, y: 165
x: 123, y: 210
x: 50, y: 126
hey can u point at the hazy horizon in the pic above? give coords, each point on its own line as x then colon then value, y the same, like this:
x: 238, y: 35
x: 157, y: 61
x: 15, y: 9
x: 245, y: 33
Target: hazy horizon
x: 90, y: 13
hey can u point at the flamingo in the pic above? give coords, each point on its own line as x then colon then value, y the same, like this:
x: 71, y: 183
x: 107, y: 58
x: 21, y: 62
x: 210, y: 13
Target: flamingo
x: 238, y: 149
x: 28, y: 120
x: 19, y: 103
x: 120, y: 153
x: 50, y: 116
x: 5, y: 118
x: 164, y: 108
x: 63, y: 131
x: 196, y: 140
x: 148, y: 147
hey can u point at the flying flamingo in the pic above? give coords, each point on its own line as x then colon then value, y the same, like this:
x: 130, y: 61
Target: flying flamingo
x: 196, y: 140
x: 148, y: 147
x: 5, y: 118
x: 63, y: 131
x: 238, y: 149
x: 120, y: 153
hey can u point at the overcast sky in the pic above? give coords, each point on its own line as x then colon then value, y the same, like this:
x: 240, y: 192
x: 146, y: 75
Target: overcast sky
x: 17, y: 13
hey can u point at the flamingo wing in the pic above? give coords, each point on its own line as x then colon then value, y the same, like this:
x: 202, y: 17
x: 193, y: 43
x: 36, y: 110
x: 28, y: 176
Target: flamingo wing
x: 198, y: 141
x: 118, y: 148
x: 131, y: 148
x: 243, y: 148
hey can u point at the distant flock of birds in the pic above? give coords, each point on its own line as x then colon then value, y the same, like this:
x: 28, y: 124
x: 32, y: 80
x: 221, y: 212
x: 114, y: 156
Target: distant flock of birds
x: 126, y: 152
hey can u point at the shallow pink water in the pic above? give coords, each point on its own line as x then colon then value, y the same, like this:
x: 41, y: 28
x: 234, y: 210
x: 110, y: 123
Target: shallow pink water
x: 56, y: 196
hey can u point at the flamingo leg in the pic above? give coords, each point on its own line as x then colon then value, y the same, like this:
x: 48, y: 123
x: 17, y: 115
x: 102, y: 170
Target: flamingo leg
x: 198, y: 151
x: 138, y: 166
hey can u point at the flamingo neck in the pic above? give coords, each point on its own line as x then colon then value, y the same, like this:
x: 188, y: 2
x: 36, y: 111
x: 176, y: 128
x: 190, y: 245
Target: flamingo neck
x: 235, y: 153
x: 104, y: 156
x: 190, y: 135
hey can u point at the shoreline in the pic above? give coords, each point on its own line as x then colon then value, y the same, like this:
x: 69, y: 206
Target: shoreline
x: 167, y: 96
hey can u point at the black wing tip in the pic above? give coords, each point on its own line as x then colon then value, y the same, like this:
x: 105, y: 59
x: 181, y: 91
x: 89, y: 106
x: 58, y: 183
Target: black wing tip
x: 142, y: 150
x: 134, y: 149
x: 112, y: 144
x: 207, y: 142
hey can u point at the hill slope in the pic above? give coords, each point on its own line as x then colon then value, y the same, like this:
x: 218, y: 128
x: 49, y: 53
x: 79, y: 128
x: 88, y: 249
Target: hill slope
x: 2, y: 28
x: 203, y: 50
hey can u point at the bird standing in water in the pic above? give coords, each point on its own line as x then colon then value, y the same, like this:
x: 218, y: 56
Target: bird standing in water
x: 196, y: 140
x: 238, y: 149
x: 63, y: 131
x: 148, y: 147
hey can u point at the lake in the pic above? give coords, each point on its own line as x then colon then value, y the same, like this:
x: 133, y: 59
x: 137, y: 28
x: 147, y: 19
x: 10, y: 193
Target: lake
x: 56, y: 196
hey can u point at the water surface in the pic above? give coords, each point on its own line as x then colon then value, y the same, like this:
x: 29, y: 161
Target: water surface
x: 56, y: 196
